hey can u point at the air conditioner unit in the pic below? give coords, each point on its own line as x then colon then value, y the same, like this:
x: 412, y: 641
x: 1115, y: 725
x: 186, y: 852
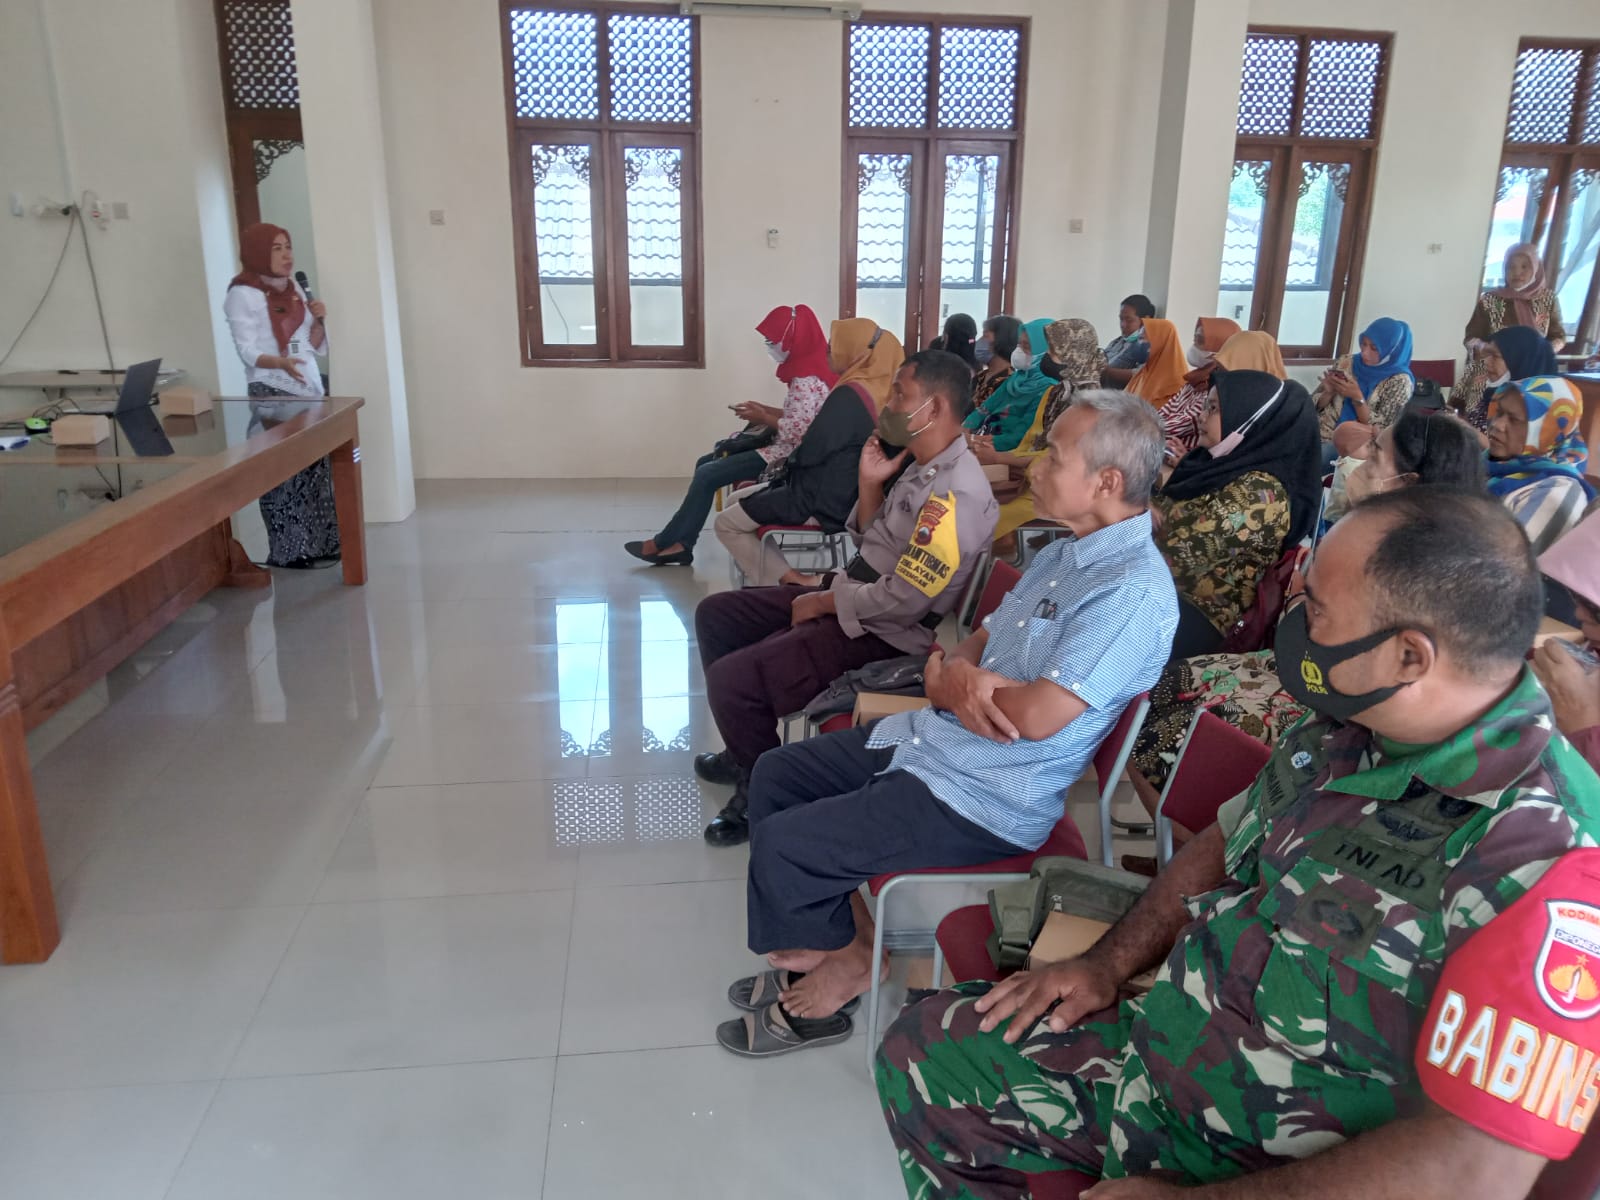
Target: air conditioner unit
x: 755, y: 8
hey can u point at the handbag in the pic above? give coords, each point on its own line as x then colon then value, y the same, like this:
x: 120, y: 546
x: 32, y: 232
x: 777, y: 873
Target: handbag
x: 1258, y: 626
x: 902, y: 676
x: 753, y: 437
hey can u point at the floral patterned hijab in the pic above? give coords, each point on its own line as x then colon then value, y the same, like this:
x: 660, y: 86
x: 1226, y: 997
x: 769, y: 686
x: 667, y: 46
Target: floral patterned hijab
x: 1554, y: 445
x: 1076, y: 347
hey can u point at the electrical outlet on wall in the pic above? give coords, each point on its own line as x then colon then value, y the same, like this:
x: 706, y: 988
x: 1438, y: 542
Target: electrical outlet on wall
x: 436, y: 216
x: 1075, y: 225
x: 119, y: 210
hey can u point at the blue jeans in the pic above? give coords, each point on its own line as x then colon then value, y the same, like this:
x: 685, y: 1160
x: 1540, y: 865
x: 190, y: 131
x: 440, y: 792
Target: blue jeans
x: 709, y: 474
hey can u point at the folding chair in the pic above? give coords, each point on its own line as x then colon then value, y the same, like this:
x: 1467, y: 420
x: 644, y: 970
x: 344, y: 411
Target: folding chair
x: 827, y: 551
x: 1215, y: 763
x: 1065, y: 841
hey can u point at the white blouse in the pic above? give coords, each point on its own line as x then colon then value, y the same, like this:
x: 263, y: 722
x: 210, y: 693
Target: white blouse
x: 251, y: 325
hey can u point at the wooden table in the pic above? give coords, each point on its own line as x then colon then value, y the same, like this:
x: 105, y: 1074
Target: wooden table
x: 78, y: 600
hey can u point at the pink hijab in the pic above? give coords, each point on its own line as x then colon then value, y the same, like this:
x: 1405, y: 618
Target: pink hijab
x: 1522, y: 298
x: 1574, y: 561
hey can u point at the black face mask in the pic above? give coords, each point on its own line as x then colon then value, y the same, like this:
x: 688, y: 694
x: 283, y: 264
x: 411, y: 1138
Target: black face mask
x: 1304, y: 667
x: 1050, y: 367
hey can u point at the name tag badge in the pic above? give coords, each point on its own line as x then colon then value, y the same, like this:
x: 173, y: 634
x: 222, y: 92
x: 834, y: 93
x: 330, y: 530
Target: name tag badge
x: 294, y: 347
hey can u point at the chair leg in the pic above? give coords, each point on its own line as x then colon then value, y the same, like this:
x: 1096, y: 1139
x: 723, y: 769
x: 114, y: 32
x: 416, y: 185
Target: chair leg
x: 1105, y: 823
x: 875, y: 994
x: 938, y: 964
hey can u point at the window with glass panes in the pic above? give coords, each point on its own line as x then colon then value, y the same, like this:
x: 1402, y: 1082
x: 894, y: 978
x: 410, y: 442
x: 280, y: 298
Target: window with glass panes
x: 1310, y: 110
x: 603, y: 107
x: 1548, y: 192
x: 933, y: 142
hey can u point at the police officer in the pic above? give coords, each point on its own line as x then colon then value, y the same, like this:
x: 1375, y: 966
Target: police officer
x: 768, y: 651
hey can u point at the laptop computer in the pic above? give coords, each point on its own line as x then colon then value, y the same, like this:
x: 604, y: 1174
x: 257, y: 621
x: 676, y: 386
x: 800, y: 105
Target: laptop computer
x: 134, y: 415
x: 138, y: 388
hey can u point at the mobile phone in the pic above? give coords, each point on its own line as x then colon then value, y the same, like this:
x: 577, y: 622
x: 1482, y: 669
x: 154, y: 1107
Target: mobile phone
x: 1585, y: 656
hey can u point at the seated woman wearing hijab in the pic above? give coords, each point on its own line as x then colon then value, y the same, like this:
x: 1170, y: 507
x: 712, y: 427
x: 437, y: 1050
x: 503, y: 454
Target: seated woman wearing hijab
x: 1161, y: 377
x: 993, y: 351
x: 817, y: 483
x: 960, y: 338
x: 1244, y: 689
x: 1074, y: 360
x: 1233, y: 506
x: 1516, y: 352
x: 1182, y: 416
x: 1370, y: 389
x: 794, y: 340
x: 1524, y: 299
x: 1537, y: 456
x: 1572, y: 682
x: 1008, y: 412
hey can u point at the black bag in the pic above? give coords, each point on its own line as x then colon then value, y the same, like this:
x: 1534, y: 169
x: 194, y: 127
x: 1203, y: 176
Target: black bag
x: 753, y: 437
x: 1425, y: 398
x: 901, y: 676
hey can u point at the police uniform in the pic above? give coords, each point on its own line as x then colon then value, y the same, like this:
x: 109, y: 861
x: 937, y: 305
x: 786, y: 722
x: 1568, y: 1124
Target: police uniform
x: 912, y: 564
x: 1321, y: 991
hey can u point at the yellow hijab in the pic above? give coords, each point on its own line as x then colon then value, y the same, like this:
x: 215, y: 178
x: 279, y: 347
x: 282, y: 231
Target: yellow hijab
x: 1161, y: 377
x: 867, y: 362
x: 1252, y: 351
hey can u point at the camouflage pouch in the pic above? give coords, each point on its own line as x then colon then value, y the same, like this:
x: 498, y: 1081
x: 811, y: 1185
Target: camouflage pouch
x: 1068, y: 885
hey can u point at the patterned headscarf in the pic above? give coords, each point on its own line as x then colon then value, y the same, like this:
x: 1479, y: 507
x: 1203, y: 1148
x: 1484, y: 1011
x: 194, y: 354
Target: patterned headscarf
x: 1554, y: 446
x: 1522, y: 298
x: 1214, y: 335
x: 1076, y: 346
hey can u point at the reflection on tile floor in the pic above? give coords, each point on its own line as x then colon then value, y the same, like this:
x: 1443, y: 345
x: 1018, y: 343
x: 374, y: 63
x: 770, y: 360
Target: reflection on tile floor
x: 400, y: 891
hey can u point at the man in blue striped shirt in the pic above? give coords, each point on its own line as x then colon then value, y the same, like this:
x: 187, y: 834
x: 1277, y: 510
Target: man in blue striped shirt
x: 1017, y: 711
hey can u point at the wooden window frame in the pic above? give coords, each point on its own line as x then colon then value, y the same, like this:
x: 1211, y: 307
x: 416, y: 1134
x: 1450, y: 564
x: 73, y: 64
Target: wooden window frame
x: 1562, y: 160
x: 1287, y: 153
x: 928, y: 145
x: 247, y: 126
x: 608, y: 138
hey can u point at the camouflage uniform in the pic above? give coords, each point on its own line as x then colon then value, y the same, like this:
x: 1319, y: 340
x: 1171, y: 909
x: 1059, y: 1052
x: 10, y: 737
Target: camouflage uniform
x: 1284, y: 1019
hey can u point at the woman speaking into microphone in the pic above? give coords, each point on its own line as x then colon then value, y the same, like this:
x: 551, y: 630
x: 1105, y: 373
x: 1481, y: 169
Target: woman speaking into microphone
x: 279, y: 333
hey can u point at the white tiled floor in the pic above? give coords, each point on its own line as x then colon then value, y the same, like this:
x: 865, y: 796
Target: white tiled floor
x: 400, y: 892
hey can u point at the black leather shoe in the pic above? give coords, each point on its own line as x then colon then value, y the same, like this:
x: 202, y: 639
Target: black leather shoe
x: 717, y: 768
x: 731, y: 826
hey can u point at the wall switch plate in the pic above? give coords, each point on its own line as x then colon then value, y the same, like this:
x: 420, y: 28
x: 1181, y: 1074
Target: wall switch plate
x: 1075, y: 225
x: 772, y: 239
x: 18, y: 208
x: 436, y: 216
x: 119, y: 210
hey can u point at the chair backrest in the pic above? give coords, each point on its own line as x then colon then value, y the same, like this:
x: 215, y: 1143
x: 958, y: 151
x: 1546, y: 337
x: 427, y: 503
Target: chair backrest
x: 1441, y: 370
x: 1107, y: 755
x: 1001, y: 580
x: 1216, y: 763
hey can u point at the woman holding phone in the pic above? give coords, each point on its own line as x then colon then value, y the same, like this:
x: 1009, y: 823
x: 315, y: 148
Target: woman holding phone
x: 279, y: 334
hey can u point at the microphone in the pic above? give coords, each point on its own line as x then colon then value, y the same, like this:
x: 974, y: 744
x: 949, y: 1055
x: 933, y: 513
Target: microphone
x: 305, y: 284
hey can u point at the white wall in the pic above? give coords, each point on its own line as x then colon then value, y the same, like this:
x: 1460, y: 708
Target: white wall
x: 1438, y: 159
x: 770, y: 92
x: 75, y: 118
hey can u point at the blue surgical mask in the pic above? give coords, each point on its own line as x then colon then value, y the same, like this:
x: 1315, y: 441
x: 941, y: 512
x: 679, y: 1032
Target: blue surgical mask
x: 983, y: 351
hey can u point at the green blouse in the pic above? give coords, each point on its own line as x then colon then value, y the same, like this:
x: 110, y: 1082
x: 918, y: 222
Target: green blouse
x: 1220, y: 544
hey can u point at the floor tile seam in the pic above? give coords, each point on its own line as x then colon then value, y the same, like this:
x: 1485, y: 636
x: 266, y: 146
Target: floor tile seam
x: 188, y: 1148
x: 260, y: 1077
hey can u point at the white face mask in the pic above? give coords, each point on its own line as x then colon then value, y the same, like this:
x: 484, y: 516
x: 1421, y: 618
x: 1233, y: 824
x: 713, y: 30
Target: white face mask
x: 779, y: 354
x: 1021, y: 360
x: 1501, y: 380
x: 1198, y: 357
x: 1363, y: 481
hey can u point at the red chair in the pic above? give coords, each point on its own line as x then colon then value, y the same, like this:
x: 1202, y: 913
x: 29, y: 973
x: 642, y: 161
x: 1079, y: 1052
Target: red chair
x: 1215, y: 763
x: 1440, y: 370
x: 1065, y: 841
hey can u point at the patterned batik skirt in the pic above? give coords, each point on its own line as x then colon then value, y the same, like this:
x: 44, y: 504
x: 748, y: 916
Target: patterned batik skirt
x: 299, y: 514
